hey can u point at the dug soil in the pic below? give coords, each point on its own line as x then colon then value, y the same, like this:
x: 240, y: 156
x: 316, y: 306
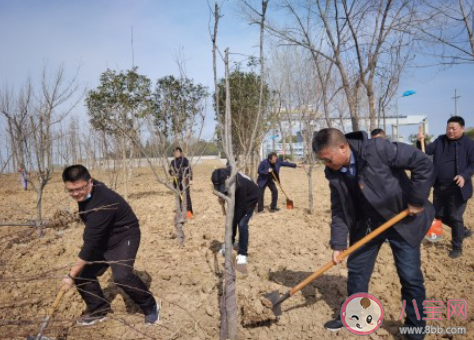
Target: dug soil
x: 284, y: 248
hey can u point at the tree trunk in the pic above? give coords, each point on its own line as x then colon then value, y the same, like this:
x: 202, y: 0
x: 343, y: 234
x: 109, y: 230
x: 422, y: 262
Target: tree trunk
x: 229, y: 298
x: 179, y: 219
x: 353, y: 112
x: 309, y: 173
x: 124, y: 168
x: 39, y: 199
x: 371, y: 98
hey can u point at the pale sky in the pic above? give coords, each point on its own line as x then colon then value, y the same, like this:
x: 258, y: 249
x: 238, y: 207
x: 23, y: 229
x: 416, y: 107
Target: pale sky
x: 95, y: 35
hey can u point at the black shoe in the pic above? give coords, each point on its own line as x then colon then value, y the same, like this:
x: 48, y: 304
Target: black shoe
x: 274, y: 209
x: 467, y: 232
x: 334, y: 325
x: 455, y: 253
x: 153, y: 317
x: 412, y: 337
x: 87, y: 319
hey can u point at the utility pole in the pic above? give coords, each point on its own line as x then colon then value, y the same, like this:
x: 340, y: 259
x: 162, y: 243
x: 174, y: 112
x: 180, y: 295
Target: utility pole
x: 455, y: 102
x: 133, y: 51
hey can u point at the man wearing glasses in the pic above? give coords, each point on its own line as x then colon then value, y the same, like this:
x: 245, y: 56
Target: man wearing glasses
x: 111, y: 238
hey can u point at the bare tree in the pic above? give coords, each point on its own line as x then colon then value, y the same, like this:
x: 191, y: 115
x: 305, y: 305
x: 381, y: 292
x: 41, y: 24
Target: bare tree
x: 445, y: 31
x: 228, y: 304
x: 258, y: 130
x: 310, y: 96
x: 245, y: 142
x: 301, y: 79
x: 31, y: 118
x: 351, y: 43
x: 54, y: 102
x: 388, y: 78
x: 229, y: 299
x: 4, y: 163
x: 16, y: 108
x: 282, y: 84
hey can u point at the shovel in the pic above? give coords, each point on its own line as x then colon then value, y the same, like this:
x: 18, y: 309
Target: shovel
x: 177, y: 187
x: 289, y: 203
x: 48, y: 316
x: 422, y: 142
x: 273, y: 300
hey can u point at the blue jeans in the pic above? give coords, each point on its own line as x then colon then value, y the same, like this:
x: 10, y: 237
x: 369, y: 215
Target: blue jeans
x: 408, y: 262
x: 243, y: 225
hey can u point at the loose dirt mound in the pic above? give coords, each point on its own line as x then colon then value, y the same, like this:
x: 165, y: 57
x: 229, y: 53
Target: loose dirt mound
x: 284, y: 248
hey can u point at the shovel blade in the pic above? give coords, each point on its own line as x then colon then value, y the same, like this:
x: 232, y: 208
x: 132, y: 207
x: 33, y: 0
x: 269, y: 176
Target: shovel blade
x: 272, y: 301
x: 289, y: 204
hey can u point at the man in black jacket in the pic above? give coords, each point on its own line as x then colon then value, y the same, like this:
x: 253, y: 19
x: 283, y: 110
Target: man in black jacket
x: 453, y: 158
x: 368, y: 187
x: 378, y: 133
x: 182, y: 175
x: 246, y: 198
x: 111, y: 238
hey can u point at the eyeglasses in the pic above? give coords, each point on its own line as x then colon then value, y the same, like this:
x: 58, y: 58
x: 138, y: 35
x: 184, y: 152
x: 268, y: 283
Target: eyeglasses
x: 77, y: 190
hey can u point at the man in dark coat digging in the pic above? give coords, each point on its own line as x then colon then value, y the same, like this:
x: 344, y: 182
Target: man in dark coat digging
x: 246, y: 198
x: 369, y: 186
x: 265, y: 179
x: 111, y: 238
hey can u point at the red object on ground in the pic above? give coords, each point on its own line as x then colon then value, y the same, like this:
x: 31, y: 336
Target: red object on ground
x: 435, y: 233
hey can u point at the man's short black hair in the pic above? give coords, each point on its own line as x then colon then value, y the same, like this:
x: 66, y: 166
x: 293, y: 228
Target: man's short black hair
x: 76, y: 173
x: 178, y: 148
x: 456, y: 119
x: 218, y: 178
x: 271, y: 155
x: 328, y: 137
x: 376, y: 132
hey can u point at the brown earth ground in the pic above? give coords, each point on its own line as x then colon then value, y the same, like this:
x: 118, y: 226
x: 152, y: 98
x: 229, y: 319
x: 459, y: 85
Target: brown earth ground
x: 284, y: 248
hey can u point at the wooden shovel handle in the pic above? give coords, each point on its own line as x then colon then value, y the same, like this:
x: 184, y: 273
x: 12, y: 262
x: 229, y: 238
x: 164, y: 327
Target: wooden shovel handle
x: 177, y: 187
x: 422, y: 142
x: 394, y: 220
x: 56, y: 302
x: 276, y: 180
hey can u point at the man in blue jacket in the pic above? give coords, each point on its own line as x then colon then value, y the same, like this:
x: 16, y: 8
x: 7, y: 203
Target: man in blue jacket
x: 369, y: 186
x: 453, y: 158
x: 265, y: 179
